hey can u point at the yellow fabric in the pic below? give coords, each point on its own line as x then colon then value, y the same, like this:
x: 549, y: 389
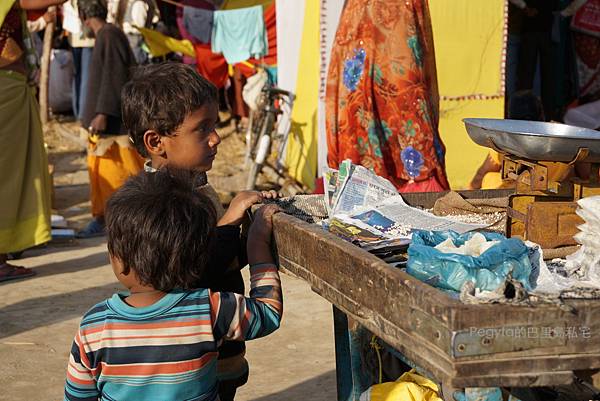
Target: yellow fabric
x: 233, y: 4
x: 109, y: 171
x: 469, y: 38
x: 5, y: 6
x: 24, y: 178
x: 161, y: 45
x: 493, y: 180
x: 410, y: 386
x: 301, y: 155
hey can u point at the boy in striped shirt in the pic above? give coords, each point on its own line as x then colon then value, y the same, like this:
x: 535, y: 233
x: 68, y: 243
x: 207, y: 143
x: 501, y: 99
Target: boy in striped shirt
x: 159, y: 340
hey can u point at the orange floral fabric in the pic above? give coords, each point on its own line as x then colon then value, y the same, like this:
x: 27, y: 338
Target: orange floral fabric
x: 382, y: 96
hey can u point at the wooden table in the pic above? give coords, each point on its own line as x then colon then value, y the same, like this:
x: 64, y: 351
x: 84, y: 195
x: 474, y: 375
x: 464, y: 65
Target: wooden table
x: 458, y: 345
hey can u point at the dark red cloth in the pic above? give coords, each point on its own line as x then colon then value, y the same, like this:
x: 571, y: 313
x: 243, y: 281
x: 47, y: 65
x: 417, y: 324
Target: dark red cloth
x: 239, y: 108
x: 32, y: 15
x: 210, y: 65
x: 214, y: 67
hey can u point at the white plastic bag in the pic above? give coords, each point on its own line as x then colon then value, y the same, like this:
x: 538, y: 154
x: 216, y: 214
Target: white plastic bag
x: 252, y: 89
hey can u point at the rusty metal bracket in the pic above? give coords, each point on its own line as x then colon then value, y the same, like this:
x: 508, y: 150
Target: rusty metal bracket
x: 582, y: 154
x: 531, y: 174
x: 494, y: 340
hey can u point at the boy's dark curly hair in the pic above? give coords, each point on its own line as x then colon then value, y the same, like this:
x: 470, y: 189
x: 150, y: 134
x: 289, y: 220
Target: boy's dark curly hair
x: 160, y: 96
x: 161, y: 228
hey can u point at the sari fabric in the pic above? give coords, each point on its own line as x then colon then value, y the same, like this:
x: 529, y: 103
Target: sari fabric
x: 382, y: 100
x: 24, y: 177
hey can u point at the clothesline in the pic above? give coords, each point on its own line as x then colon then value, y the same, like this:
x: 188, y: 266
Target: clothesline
x: 176, y: 4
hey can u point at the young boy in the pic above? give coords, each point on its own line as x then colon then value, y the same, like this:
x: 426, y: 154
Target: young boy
x: 171, y: 112
x: 159, y: 341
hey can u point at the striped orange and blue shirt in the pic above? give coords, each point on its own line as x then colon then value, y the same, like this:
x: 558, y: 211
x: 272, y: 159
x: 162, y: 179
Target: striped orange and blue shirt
x: 168, y: 350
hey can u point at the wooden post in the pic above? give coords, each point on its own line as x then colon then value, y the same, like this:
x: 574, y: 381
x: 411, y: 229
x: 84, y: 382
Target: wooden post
x: 45, y: 70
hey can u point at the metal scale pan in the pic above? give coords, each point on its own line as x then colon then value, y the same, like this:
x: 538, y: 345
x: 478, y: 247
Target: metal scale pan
x: 535, y: 140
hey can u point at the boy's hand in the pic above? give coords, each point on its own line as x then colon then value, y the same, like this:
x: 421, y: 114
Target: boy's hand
x: 259, y: 236
x: 242, y: 202
x: 98, y: 124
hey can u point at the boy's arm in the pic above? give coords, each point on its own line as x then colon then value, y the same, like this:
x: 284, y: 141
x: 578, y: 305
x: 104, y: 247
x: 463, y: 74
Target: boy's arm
x: 81, y: 383
x: 238, y: 318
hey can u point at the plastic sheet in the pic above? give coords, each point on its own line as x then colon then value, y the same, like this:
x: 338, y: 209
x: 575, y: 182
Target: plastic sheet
x: 450, y: 271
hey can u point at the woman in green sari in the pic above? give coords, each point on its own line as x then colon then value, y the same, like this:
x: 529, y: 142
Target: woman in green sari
x: 24, y: 179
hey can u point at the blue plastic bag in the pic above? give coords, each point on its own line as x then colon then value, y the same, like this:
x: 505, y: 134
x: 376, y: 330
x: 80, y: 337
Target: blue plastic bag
x: 450, y: 270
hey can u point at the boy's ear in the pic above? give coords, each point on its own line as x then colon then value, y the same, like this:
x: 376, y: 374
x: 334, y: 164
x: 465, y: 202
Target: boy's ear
x: 153, y: 143
x: 118, y: 266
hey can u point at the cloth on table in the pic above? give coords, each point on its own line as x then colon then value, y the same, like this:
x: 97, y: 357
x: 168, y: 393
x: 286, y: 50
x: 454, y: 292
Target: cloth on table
x: 110, y: 69
x: 309, y: 208
x: 199, y: 23
x: 111, y: 161
x: 492, y: 211
x: 239, y: 34
x: 24, y: 179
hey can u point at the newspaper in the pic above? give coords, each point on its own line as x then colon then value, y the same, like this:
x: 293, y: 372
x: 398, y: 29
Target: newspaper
x: 330, y: 177
x: 395, y: 209
x: 390, y: 224
x: 358, y: 188
x: 367, y: 210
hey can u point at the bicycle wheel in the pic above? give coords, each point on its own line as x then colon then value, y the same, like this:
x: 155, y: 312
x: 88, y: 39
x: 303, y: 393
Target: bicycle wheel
x: 261, y: 150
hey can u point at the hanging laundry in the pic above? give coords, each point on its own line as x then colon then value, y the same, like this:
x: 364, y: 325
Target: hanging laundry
x: 235, y: 4
x: 216, y: 3
x: 210, y: 65
x: 239, y: 34
x: 161, y: 45
x: 199, y: 23
x: 248, y: 69
x: 203, y: 4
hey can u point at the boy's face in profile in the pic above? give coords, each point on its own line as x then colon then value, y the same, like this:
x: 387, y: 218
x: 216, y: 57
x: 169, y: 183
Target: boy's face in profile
x: 193, y: 146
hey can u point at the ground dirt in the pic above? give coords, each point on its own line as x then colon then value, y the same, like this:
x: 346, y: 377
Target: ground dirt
x: 39, y: 316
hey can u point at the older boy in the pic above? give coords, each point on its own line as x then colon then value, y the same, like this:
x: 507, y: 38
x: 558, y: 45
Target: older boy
x: 171, y: 113
x: 159, y: 341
